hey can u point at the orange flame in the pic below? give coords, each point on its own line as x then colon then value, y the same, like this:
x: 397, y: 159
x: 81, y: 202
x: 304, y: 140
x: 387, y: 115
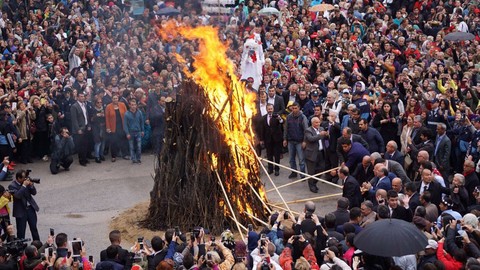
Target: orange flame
x: 216, y: 74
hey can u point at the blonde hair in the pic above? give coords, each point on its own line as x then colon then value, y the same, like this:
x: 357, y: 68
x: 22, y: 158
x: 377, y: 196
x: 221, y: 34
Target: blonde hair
x: 302, y: 264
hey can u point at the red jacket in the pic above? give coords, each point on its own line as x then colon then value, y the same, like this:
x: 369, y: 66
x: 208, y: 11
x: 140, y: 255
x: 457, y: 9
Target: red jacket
x: 449, y: 262
x: 286, y: 259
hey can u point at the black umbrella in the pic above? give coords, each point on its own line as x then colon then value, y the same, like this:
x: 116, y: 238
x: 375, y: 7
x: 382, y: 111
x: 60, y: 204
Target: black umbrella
x: 391, y: 237
x: 459, y: 36
x: 168, y: 11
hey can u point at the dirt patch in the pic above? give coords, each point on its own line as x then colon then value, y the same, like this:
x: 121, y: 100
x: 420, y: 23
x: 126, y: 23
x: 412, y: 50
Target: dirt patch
x: 127, y: 222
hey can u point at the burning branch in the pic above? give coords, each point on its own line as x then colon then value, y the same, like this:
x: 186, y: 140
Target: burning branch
x: 207, y: 174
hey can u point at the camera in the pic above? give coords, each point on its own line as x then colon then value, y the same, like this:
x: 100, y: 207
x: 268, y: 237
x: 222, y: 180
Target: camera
x: 34, y: 180
x: 274, y: 115
x: 16, y: 247
x: 324, y: 252
x: 265, y: 265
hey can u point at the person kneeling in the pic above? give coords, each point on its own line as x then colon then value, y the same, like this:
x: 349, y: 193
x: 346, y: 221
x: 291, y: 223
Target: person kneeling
x: 63, y: 150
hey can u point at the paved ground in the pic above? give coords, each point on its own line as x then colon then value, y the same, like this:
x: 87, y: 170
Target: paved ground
x: 83, y: 201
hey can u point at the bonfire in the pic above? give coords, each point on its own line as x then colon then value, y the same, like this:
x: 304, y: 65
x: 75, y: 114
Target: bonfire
x: 207, y: 173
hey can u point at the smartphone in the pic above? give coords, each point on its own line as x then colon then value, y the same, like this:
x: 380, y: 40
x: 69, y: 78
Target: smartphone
x: 177, y: 230
x: 209, y: 256
x: 90, y: 258
x: 69, y: 254
x: 52, y: 232
x: 89, y: 82
x: 14, y: 106
x: 140, y: 242
x: 76, y: 248
x: 50, y: 252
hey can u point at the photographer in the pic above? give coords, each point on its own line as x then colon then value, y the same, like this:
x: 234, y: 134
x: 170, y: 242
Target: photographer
x: 331, y: 259
x: 24, y: 206
x: 63, y: 151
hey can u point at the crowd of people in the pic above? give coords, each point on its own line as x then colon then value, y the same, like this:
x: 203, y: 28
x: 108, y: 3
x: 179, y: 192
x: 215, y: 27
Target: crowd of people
x: 371, y: 87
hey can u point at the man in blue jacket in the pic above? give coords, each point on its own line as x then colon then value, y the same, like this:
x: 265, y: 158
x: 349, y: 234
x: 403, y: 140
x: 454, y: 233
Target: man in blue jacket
x: 134, y: 128
x: 372, y: 137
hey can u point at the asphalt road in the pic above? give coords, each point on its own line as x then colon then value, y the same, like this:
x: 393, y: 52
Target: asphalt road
x: 82, y: 202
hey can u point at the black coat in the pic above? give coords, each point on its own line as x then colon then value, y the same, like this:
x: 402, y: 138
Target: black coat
x: 351, y: 191
x: 270, y: 133
x: 402, y: 213
x: 363, y: 175
x: 471, y: 181
x: 124, y: 257
x: 153, y: 261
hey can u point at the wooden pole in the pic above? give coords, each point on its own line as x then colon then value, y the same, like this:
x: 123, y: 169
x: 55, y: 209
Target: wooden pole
x: 257, y: 219
x: 303, y: 179
x: 260, y: 198
x: 241, y: 226
x: 299, y: 172
x: 313, y: 199
x: 268, y: 176
x: 282, y: 208
x: 228, y: 203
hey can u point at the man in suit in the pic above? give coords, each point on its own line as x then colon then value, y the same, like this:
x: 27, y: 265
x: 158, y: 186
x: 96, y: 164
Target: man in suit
x: 123, y: 257
x: 380, y: 181
x: 426, y: 144
x: 275, y: 100
x: 413, y: 196
x: 80, y: 126
x: 397, y: 211
x: 257, y: 120
x: 417, y: 129
x: 471, y: 180
x: 443, y: 149
x: 392, y: 153
x: 334, y: 132
x: 314, y: 151
x: 271, y: 137
x: 291, y: 94
x: 364, y: 171
x: 394, y: 167
x: 372, y: 137
x: 24, y: 206
x: 428, y: 184
x: 159, y: 253
x: 347, y: 134
x: 351, y: 188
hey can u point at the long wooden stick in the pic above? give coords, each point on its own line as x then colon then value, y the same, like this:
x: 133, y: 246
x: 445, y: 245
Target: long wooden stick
x: 282, y: 208
x: 257, y: 219
x: 260, y: 198
x: 241, y: 226
x: 268, y: 176
x: 313, y: 199
x: 299, y: 172
x: 303, y: 179
x: 228, y: 203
